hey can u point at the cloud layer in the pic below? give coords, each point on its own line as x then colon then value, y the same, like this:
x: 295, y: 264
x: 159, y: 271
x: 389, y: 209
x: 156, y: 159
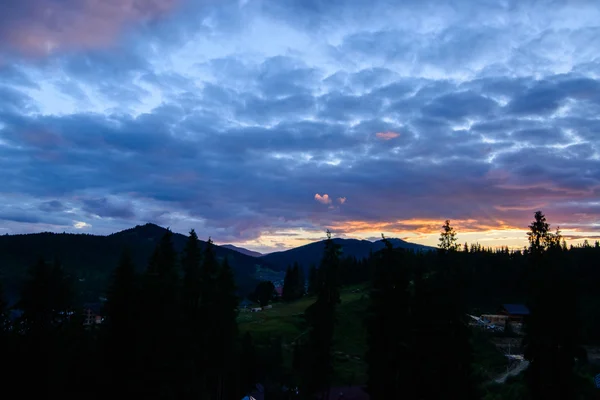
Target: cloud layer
x: 257, y: 121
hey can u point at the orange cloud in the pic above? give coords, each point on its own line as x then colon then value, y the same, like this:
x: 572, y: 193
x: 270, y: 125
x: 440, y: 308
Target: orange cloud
x: 387, y: 135
x: 323, y: 199
x: 341, y: 200
x: 40, y: 27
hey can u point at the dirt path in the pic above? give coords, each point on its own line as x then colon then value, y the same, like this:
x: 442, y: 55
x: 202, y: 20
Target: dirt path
x: 520, y: 367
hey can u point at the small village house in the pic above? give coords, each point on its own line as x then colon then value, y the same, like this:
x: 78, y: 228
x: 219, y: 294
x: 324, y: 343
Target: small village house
x: 92, y: 314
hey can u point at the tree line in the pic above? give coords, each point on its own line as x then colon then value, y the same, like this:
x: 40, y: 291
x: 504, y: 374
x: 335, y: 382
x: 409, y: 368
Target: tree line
x: 171, y: 331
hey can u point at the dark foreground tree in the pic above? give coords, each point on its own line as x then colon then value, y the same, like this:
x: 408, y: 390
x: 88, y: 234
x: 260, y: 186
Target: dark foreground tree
x: 265, y: 292
x: 552, y: 329
x: 318, y: 364
x: 120, y: 335
x: 448, y: 240
x: 248, y: 365
x: 160, y: 366
x: 389, y: 329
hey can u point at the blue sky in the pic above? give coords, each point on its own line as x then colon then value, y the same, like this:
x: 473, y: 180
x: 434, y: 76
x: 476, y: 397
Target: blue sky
x: 263, y: 123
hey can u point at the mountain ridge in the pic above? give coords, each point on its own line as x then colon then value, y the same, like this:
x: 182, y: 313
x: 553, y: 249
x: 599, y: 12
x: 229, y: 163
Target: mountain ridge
x: 90, y: 259
x: 242, y: 250
x: 310, y: 253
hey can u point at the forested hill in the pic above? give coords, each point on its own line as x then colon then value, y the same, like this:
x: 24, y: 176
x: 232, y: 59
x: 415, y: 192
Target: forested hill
x: 90, y: 259
x: 311, y: 253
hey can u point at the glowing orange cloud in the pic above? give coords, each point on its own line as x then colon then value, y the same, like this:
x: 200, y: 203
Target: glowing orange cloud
x: 40, y: 27
x: 323, y: 199
x: 387, y: 135
x: 341, y: 200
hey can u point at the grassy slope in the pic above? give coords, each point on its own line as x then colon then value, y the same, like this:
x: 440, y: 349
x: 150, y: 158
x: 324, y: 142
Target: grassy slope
x: 286, y: 320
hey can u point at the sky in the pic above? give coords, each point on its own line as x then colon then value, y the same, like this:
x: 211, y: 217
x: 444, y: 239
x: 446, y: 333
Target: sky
x: 264, y: 123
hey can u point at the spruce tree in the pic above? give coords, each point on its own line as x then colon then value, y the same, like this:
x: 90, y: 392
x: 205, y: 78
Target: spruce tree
x: 389, y: 332
x: 301, y: 283
x: 161, y: 322
x: 550, y: 347
x: 287, y: 292
x: 45, y: 302
x: 321, y: 320
x: 226, y: 331
x: 448, y: 241
x: 313, y: 279
x: 120, y: 317
x: 248, y: 365
x: 190, y: 263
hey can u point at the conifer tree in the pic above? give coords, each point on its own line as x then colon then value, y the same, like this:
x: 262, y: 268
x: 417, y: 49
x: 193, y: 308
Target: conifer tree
x: 287, y: 292
x: 45, y: 302
x: 448, y: 241
x: 248, y: 365
x: 313, y: 277
x: 190, y: 262
x: 321, y: 319
x: 161, y: 322
x: 301, y: 283
x: 389, y: 332
x: 550, y: 347
x: 225, y: 330
x: 119, y: 328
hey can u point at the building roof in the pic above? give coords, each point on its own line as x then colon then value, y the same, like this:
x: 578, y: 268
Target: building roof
x: 516, y: 309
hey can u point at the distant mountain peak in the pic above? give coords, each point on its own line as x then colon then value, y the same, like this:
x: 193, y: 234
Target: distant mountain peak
x: 242, y: 250
x: 148, y: 230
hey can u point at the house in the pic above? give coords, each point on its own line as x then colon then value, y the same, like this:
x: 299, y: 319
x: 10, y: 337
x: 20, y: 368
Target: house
x: 92, y: 314
x: 515, y: 313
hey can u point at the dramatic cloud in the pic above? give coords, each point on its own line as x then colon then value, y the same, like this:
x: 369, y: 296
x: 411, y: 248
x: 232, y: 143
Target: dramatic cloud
x: 230, y: 117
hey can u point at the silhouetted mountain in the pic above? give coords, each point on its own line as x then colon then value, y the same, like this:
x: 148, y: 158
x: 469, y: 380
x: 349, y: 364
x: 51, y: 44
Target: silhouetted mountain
x: 311, y: 253
x: 241, y: 250
x: 90, y: 259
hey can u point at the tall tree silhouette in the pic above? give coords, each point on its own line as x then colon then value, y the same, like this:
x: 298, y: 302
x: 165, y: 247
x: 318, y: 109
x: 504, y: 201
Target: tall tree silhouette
x: 45, y: 302
x: 248, y: 365
x: 321, y: 320
x: 192, y: 283
x: 287, y: 292
x: 299, y: 281
x: 120, y: 325
x: 264, y: 292
x: 225, y: 330
x: 161, y: 324
x: 389, y: 333
x: 448, y: 241
x: 550, y: 346
x: 193, y: 324
x: 313, y: 278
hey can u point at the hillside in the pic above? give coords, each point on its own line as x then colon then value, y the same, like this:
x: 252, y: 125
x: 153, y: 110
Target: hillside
x: 90, y: 259
x: 241, y: 250
x: 286, y: 321
x: 312, y: 252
